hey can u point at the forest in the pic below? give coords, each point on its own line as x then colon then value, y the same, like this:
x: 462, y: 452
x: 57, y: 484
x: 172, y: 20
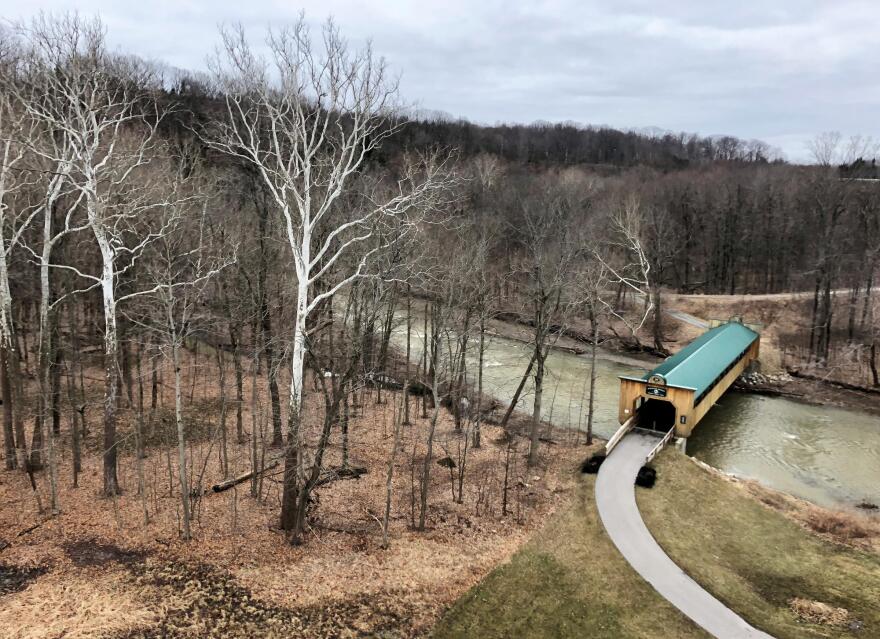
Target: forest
x: 237, y: 279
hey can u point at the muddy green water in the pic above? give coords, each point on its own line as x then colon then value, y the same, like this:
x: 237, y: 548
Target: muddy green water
x: 827, y: 455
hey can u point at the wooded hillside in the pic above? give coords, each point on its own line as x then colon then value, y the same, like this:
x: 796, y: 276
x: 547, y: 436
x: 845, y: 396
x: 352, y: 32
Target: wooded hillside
x: 286, y: 213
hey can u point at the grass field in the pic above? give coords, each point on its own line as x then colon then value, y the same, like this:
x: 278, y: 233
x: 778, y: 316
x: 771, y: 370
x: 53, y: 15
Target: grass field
x: 569, y: 580
x: 757, y: 561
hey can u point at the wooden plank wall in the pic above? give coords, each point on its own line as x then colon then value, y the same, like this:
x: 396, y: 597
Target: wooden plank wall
x: 715, y: 394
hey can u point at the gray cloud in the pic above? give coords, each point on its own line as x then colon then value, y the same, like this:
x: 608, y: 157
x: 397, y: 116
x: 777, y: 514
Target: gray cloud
x: 781, y: 71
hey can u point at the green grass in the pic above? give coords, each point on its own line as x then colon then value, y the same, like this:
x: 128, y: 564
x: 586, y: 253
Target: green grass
x: 570, y: 581
x: 754, y: 559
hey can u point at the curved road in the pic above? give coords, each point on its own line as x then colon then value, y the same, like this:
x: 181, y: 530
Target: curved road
x: 687, y: 318
x: 616, y: 501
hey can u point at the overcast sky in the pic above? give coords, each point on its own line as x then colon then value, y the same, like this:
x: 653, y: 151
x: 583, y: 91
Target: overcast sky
x: 778, y: 70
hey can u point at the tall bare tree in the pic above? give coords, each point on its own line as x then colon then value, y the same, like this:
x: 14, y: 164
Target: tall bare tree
x: 181, y: 269
x: 546, y: 267
x: 16, y: 131
x: 103, y: 110
x: 626, y: 258
x: 306, y: 118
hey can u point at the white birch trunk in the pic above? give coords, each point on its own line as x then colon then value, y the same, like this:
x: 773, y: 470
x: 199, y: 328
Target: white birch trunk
x: 297, y: 364
x: 290, y: 515
x: 111, y: 356
x: 6, y: 332
x: 45, y: 358
x: 11, y: 414
x: 181, y: 434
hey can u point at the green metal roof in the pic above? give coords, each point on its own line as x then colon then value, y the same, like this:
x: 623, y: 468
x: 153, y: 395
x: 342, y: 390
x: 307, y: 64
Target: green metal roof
x: 699, y: 364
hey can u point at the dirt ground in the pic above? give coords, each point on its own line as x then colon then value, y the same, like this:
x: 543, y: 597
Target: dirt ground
x: 100, y: 570
x: 785, y: 331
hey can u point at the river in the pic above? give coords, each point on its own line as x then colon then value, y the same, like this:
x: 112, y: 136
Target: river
x: 827, y: 455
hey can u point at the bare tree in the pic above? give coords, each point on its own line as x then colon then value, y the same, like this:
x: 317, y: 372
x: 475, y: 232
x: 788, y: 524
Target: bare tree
x: 829, y: 148
x: 483, y: 303
x: 100, y: 107
x: 448, y: 277
x: 389, y: 472
x: 546, y: 266
x: 627, y: 260
x: 181, y: 267
x: 58, y: 173
x: 445, y: 363
x: 16, y: 130
x: 306, y: 119
x: 592, y: 284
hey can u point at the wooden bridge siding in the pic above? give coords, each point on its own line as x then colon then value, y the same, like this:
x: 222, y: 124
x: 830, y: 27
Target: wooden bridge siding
x: 630, y: 390
x: 699, y: 411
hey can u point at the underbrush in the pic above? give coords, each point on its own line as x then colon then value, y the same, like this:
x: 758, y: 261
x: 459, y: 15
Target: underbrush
x: 199, y: 600
x: 843, y: 527
x: 118, y: 567
x: 857, y: 530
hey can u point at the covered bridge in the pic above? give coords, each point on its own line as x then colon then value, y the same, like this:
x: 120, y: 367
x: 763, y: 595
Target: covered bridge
x: 681, y: 390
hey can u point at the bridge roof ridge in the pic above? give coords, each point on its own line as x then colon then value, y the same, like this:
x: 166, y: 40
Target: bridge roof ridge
x: 699, y: 363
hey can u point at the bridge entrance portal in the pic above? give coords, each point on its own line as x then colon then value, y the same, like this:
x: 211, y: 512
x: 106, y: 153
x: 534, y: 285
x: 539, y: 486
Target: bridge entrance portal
x: 657, y: 414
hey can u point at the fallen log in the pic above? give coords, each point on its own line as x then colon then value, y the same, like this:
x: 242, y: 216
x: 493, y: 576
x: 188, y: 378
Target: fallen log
x: 382, y: 380
x: 235, y: 481
x: 32, y: 528
x: 771, y: 391
x: 348, y: 472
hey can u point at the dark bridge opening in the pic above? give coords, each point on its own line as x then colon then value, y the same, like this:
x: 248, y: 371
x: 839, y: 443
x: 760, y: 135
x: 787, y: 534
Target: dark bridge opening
x: 657, y: 414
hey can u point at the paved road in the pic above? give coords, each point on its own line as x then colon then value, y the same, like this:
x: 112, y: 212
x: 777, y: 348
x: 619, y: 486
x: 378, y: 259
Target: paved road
x: 616, y: 501
x: 688, y: 318
x: 751, y: 297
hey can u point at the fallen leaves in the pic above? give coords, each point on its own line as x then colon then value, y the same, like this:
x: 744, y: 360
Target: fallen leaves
x: 74, y: 606
x: 819, y: 613
x: 108, y: 569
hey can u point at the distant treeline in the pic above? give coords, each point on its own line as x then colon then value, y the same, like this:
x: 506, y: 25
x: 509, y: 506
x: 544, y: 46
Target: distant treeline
x: 860, y: 169
x: 572, y: 144
x: 539, y: 143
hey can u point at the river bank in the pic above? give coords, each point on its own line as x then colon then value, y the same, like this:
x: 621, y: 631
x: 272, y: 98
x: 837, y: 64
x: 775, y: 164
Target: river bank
x: 806, y: 387
x: 815, y: 450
